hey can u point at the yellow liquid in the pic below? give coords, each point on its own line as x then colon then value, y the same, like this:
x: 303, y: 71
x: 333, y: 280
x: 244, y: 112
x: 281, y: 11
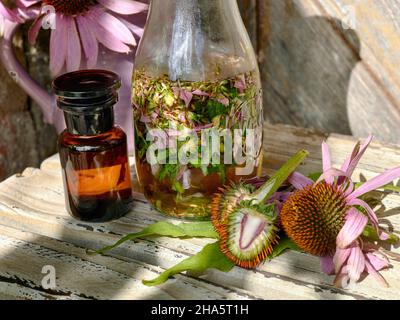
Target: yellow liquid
x: 195, y: 202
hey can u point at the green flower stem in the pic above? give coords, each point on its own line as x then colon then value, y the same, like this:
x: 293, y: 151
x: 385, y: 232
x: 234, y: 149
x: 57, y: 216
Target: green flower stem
x: 279, y: 177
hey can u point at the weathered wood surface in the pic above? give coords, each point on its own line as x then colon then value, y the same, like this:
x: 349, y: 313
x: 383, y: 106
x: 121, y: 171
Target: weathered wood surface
x: 329, y: 64
x: 35, y: 230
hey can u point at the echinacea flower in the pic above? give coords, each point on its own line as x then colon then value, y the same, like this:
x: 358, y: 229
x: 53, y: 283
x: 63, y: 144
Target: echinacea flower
x: 80, y: 25
x: 328, y: 217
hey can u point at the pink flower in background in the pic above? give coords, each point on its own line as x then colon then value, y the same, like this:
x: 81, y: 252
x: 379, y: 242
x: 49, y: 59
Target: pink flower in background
x: 340, y: 201
x: 79, y: 26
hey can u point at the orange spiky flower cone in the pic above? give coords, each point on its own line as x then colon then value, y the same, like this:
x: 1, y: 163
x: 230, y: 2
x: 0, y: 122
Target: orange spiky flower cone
x: 313, y: 217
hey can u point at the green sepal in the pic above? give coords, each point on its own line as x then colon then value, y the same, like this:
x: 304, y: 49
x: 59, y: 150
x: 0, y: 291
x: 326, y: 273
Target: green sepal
x: 275, y: 181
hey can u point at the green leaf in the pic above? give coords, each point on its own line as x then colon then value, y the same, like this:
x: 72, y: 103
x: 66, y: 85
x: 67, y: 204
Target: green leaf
x: 283, y: 245
x: 168, y: 171
x: 370, y: 233
x: 314, y: 176
x: 391, y: 187
x: 276, y: 180
x: 177, y: 186
x: 193, y: 229
x: 210, y: 257
x: 215, y: 108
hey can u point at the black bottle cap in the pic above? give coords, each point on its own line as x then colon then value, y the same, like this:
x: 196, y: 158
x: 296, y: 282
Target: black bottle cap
x: 87, y: 98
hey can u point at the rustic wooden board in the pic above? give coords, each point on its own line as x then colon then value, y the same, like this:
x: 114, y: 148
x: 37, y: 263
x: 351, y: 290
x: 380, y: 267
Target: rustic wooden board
x: 35, y: 230
x: 329, y: 64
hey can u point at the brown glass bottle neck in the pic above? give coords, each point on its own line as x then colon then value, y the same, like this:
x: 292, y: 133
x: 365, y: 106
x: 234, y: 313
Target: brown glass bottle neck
x: 90, y: 123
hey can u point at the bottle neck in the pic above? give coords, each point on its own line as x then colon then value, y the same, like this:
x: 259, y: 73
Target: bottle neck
x: 191, y: 39
x: 90, y: 124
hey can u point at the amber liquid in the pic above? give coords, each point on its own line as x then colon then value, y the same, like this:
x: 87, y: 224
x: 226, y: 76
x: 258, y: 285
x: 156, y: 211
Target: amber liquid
x: 96, y: 175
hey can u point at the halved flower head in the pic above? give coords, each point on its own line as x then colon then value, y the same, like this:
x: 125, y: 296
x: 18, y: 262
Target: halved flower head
x: 327, y: 218
x: 247, y: 220
x: 78, y: 26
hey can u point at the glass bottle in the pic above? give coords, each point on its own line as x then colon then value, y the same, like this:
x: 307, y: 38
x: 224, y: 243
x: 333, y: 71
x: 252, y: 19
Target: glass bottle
x: 93, y: 151
x: 196, y: 77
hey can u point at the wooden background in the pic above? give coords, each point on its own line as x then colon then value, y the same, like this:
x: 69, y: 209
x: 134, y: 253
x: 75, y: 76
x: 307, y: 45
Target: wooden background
x: 331, y: 65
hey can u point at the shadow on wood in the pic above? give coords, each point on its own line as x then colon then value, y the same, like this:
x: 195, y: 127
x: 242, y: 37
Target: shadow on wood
x: 306, y: 67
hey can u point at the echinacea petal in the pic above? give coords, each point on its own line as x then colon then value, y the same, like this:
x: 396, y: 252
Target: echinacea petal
x: 224, y: 101
x: 28, y: 14
x: 351, y: 163
x: 58, y: 46
x: 352, y: 229
x: 355, y: 263
x: 375, y: 183
x: 326, y: 158
x: 378, y: 263
x: 89, y: 42
x: 2, y: 25
x: 371, y: 213
x: 331, y: 174
x: 383, y: 235
x: 34, y: 29
x: 105, y: 37
x: 327, y: 265
x: 340, y: 257
x: 186, y: 96
x: 27, y: 3
x: 299, y: 181
x: 74, y: 50
x: 374, y: 273
x: 114, y: 26
x: 133, y: 28
x: 125, y: 7
x: 342, y: 279
x: 198, y: 92
x: 8, y: 14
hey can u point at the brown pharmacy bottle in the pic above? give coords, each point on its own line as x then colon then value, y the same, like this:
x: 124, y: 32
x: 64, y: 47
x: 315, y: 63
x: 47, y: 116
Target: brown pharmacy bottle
x: 93, y: 151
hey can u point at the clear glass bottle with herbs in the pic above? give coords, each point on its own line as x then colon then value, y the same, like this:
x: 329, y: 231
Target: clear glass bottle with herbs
x: 197, y: 105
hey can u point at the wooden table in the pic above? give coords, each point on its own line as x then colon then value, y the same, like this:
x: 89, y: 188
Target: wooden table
x: 35, y: 231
